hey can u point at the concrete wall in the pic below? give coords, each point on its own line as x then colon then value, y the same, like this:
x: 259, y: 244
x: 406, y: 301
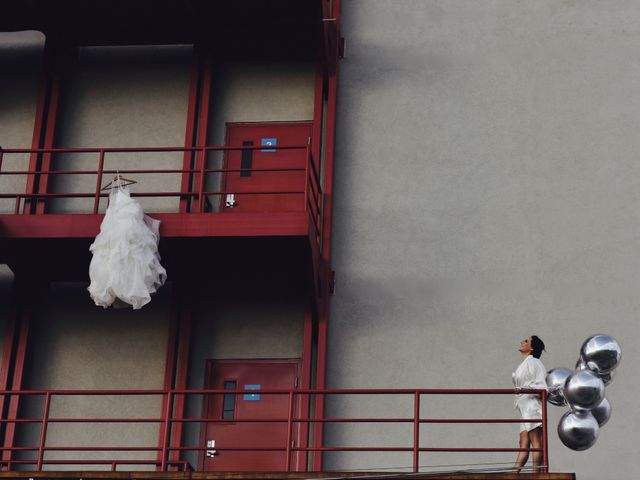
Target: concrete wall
x: 75, y: 345
x: 124, y: 97
x: 20, y: 64
x: 486, y: 190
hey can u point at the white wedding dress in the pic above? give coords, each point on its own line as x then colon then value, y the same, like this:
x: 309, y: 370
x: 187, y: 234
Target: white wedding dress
x: 126, y: 263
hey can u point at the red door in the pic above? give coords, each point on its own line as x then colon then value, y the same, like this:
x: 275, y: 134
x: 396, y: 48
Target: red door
x: 249, y: 191
x: 254, y: 375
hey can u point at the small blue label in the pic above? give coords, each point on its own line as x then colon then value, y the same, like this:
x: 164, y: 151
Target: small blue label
x: 268, y: 142
x: 251, y: 396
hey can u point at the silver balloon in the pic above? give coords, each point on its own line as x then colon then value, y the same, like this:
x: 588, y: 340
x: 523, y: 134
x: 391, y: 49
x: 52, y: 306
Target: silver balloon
x: 556, y: 378
x: 578, y: 430
x: 601, y: 412
x: 584, y: 390
x: 601, y: 353
x: 606, y: 378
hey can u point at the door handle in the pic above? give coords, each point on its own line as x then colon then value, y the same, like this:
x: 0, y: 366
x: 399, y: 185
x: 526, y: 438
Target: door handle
x: 211, y: 451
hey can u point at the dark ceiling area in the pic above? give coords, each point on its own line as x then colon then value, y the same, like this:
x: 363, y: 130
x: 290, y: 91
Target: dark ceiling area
x: 234, y: 26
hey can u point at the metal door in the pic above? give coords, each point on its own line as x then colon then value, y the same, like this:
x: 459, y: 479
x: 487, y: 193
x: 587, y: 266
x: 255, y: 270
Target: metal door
x: 249, y: 190
x: 254, y: 375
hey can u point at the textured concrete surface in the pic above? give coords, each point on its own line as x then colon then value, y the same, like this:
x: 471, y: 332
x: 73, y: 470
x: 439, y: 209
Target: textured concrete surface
x: 486, y: 190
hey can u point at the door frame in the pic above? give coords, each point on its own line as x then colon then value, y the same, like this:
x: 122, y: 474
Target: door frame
x: 225, y: 161
x: 299, y: 434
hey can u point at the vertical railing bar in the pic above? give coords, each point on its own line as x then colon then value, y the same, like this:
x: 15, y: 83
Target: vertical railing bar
x: 17, y: 209
x: 545, y: 434
x: 1, y: 158
x: 307, y: 177
x: 167, y: 431
x: 114, y: 466
x: 416, y: 432
x: 43, y: 430
x: 96, y: 202
x: 203, y: 163
x: 289, y: 431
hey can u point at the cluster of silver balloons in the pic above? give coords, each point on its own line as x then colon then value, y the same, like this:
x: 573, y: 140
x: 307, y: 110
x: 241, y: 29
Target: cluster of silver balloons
x: 583, y: 389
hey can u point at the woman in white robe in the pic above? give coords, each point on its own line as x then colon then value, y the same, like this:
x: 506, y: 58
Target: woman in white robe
x: 530, y: 374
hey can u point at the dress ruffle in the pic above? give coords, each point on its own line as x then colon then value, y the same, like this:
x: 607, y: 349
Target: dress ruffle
x: 126, y: 263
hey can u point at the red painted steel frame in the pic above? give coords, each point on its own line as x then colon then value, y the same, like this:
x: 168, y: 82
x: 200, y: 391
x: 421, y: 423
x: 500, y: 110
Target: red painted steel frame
x: 170, y: 361
x: 182, y: 368
x: 24, y: 314
x: 329, y: 148
x: 168, y: 419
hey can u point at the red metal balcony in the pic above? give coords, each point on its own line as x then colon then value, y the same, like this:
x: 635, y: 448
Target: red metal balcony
x: 167, y: 454
x: 295, y: 193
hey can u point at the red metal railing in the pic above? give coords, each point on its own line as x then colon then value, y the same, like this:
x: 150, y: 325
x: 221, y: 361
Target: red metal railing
x: 25, y: 201
x: 168, y: 454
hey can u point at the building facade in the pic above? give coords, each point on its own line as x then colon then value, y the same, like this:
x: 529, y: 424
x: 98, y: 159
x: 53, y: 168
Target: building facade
x: 470, y: 177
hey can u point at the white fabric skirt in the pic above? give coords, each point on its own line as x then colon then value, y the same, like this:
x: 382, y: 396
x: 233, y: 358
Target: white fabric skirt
x: 530, y: 408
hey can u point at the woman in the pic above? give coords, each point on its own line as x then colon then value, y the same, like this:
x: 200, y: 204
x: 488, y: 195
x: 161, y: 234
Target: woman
x: 530, y: 374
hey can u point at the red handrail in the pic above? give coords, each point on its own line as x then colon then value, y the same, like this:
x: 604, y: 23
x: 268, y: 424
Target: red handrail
x: 167, y: 420
x: 310, y: 190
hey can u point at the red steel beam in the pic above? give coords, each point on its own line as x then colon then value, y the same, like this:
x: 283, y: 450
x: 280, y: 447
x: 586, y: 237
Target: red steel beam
x: 39, y: 124
x: 182, y: 370
x: 203, y: 123
x: 189, y: 136
x: 170, y: 361
x: 25, y: 313
x: 60, y: 65
x: 172, y: 225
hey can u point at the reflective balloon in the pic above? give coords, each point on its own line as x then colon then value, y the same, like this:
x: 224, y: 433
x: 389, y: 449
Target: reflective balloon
x: 601, y: 412
x: 584, y: 390
x: 556, y: 378
x: 601, y: 353
x: 606, y: 378
x: 578, y: 430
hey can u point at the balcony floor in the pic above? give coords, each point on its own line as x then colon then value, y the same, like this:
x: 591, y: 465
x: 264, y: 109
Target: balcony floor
x: 283, y: 475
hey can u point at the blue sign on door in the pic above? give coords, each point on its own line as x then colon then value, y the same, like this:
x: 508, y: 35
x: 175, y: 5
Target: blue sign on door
x: 251, y: 396
x: 268, y: 142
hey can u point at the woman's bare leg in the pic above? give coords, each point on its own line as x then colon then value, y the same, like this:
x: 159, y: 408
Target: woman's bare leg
x: 535, y: 436
x: 522, y: 458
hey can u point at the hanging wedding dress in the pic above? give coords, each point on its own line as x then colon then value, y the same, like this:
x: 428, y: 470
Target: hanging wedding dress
x: 126, y: 263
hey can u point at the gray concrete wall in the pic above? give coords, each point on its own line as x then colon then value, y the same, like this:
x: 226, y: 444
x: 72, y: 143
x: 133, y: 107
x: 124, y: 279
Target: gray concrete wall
x: 486, y: 190
x: 20, y: 65
x: 256, y: 92
x: 124, y: 97
x: 75, y: 345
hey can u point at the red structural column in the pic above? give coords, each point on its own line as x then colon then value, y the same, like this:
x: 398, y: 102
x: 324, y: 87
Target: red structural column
x: 16, y: 361
x: 328, y: 170
x: 197, y: 122
x: 182, y: 365
x: 56, y: 61
x: 170, y: 364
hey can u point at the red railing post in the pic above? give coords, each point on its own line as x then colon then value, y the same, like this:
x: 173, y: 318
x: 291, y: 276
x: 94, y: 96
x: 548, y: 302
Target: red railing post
x: 96, y: 202
x: 289, y: 431
x: 43, y: 431
x: 545, y: 434
x: 1, y: 157
x: 203, y: 165
x: 307, y: 177
x: 167, y: 432
x: 416, y: 432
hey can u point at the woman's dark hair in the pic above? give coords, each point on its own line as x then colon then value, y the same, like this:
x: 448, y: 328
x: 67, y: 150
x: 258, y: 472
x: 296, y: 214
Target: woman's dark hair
x: 537, y: 346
